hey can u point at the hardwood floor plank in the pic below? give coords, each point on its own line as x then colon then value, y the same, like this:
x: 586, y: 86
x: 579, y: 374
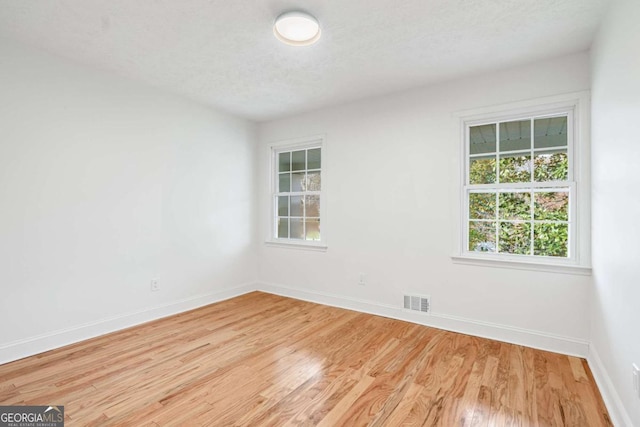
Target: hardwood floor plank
x: 343, y: 407
x: 399, y: 413
x: 266, y: 360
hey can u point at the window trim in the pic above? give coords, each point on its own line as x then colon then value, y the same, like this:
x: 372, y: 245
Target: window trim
x: 274, y: 149
x: 577, y: 105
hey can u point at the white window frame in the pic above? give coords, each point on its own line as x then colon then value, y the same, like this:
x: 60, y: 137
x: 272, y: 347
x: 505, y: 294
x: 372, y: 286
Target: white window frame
x: 576, y: 107
x: 275, y: 148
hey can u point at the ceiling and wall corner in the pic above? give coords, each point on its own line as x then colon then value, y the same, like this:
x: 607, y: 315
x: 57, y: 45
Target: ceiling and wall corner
x: 224, y: 54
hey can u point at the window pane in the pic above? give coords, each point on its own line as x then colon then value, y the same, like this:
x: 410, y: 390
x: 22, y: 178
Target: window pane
x: 551, y: 206
x: 283, y: 206
x: 283, y: 228
x: 482, y: 139
x: 482, y: 236
x: 550, y: 132
x: 514, y: 238
x: 284, y: 182
x: 551, y: 240
x: 312, y: 229
x: 298, y: 217
x: 312, y: 206
x: 313, y: 181
x: 313, y: 159
x: 297, y: 182
x: 298, y: 160
x: 515, y: 168
x: 509, y: 210
x: 297, y: 207
x: 551, y: 166
x: 284, y: 162
x: 515, y: 135
x: 482, y: 205
x: 515, y: 205
x: 482, y: 171
x: 297, y: 229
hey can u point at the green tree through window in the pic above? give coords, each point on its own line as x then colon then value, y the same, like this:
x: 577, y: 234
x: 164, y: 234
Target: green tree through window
x: 518, y: 193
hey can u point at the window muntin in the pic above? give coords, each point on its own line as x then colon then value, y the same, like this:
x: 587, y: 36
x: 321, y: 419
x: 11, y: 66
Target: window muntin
x: 518, y: 191
x: 297, y: 194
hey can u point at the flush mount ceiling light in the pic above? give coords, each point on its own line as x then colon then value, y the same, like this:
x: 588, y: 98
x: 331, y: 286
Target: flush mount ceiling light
x: 297, y: 28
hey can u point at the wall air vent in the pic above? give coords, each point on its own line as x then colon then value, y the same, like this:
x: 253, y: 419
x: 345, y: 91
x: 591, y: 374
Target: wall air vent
x: 417, y: 303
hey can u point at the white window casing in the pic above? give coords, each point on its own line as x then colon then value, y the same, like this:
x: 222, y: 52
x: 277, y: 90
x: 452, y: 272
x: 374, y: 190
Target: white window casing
x: 306, y: 227
x: 575, y: 108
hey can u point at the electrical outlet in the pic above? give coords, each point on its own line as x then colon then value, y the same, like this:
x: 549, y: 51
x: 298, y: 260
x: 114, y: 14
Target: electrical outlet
x: 155, y: 286
x: 361, y: 279
x: 636, y: 378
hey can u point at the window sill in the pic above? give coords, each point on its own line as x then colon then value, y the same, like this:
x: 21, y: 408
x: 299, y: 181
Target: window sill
x: 522, y: 265
x: 298, y: 246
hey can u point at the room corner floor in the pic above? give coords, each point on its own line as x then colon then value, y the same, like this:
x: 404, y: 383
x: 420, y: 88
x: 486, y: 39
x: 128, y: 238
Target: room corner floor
x: 261, y: 359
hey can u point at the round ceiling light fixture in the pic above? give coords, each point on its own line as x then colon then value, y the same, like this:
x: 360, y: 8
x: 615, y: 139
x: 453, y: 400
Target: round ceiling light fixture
x: 297, y: 28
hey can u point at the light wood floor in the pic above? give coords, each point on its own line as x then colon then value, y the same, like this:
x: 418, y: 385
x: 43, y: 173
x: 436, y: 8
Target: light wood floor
x: 261, y: 360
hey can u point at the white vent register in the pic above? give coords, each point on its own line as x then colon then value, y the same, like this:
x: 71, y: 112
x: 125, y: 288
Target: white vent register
x: 417, y: 303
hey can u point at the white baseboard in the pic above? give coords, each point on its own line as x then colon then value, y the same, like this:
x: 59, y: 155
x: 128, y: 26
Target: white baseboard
x: 34, y: 345
x: 529, y: 338
x: 38, y: 344
x: 617, y: 411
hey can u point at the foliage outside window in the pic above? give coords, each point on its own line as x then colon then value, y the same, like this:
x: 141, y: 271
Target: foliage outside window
x: 518, y: 191
x: 297, y: 194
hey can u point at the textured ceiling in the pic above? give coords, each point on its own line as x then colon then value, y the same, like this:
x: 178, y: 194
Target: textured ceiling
x: 223, y: 52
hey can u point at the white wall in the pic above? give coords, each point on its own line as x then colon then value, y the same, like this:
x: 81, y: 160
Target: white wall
x: 391, y: 171
x: 616, y: 206
x: 104, y: 185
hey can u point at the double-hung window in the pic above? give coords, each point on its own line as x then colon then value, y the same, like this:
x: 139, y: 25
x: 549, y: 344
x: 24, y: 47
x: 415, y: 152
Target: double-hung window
x: 297, y: 193
x: 519, y: 190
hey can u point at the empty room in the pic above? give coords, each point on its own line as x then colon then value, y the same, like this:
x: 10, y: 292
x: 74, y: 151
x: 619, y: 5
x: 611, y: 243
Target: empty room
x: 319, y: 213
